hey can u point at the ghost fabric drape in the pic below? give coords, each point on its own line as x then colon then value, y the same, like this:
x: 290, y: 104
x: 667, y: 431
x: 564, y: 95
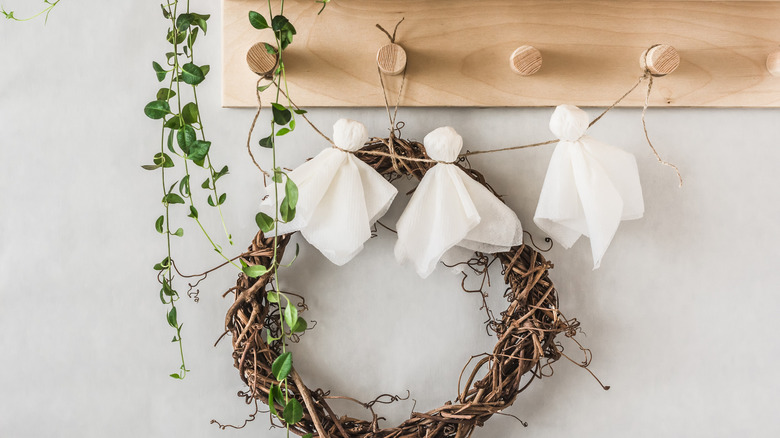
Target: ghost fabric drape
x: 449, y: 208
x: 589, y: 188
x: 339, y: 196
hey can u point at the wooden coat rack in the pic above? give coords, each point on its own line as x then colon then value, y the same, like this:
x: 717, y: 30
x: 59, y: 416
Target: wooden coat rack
x: 509, y: 53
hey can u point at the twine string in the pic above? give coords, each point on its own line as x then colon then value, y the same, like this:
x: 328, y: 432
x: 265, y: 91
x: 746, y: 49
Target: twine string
x: 647, y: 136
x: 391, y: 37
x: 394, y: 127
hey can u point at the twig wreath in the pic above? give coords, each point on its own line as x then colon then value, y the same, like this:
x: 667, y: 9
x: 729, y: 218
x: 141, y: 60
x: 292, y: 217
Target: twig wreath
x: 526, y: 333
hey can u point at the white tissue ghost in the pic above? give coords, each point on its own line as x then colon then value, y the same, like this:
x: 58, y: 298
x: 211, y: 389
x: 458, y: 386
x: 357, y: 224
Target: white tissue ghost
x: 339, y: 196
x: 589, y: 188
x: 449, y: 208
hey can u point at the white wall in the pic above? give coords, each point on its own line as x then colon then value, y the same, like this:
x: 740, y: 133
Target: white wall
x: 681, y: 318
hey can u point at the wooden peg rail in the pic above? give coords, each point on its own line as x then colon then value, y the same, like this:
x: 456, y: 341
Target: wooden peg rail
x: 457, y: 52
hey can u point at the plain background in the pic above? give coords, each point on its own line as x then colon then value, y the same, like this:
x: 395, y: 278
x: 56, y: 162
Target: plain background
x: 681, y: 317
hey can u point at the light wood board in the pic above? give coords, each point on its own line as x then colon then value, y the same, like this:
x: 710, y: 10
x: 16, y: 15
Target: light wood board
x: 458, y: 52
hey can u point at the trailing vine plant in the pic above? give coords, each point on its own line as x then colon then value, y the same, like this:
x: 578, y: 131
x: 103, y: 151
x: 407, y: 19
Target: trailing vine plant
x: 183, y: 140
x: 183, y: 135
x: 49, y: 5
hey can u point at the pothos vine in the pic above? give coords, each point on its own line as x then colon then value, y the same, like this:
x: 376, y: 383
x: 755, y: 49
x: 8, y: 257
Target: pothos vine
x: 183, y: 140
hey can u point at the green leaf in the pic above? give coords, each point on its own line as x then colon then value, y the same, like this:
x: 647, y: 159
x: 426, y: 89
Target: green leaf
x: 184, y: 21
x: 282, y: 131
x: 198, y: 150
x: 161, y: 160
x: 278, y: 22
x: 165, y: 263
x: 267, y: 142
x: 210, y: 201
x: 190, y: 113
x: 269, y: 48
x: 283, y: 29
x: 193, y: 212
x: 175, y: 122
x: 276, y: 395
x: 176, y: 376
x: 192, y: 74
x: 308, y: 435
x: 170, y: 142
x: 300, y: 325
x: 255, y: 271
x: 200, y: 21
x: 287, y: 212
x: 184, y: 186
x: 172, y: 198
x: 185, y: 137
x: 158, y: 224
x: 272, y: 297
x: 172, y: 318
x: 290, y: 315
x: 264, y: 87
x: 293, y: 412
x: 166, y: 14
x: 291, y: 193
x: 157, y: 109
x: 272, y: 402
x: 300, y: 111
x: 205, y: 69
x: 224, y: 171
x: 257, y: 21
x: 150, y: 166
x: 281, y: 114
x: 159, y: 71
x: 177, y: 37
x: 202, y: 24
x: 179, y: 232
x: 282, y: 366
x: 206, y: 184
x: 222, y: 199
x: 192, y: 37
x: 167, y: 289
x: 165, y: 94
x: 264, y: 222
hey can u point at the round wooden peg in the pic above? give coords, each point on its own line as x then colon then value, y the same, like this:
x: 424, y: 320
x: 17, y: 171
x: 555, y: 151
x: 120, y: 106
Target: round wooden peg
x: 660, y: 59
x: 525, y: 60
x: 391, y: 59
x: 260, y: 61
x: 773, y: 63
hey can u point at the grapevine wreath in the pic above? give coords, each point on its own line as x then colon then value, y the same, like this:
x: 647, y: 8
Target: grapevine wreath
x: 525, y: 332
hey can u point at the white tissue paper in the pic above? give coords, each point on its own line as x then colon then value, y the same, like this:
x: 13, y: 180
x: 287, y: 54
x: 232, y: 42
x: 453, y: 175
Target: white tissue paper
x: 589, y: 188
x: 449, y: 208
x: 339, y: 196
